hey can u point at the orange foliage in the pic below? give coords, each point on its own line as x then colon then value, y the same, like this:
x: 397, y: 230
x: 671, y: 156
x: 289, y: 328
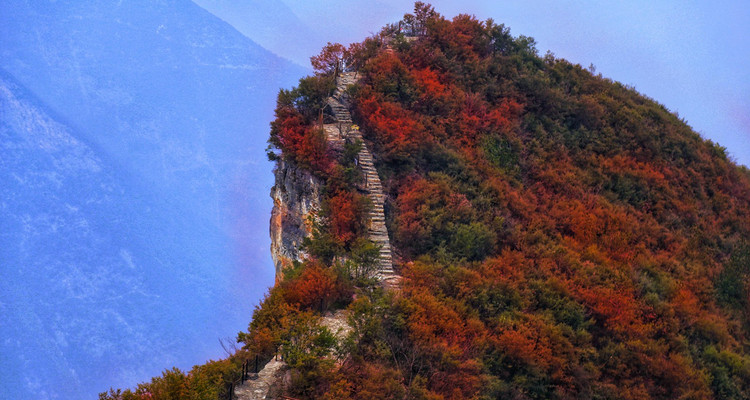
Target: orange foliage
x: 391, y: 124
x: 344, y: 216
x: 303, y: 143
x: 617, y: 310
x: 533, y: 342
x: 315, y: 286
x: 430, y: 84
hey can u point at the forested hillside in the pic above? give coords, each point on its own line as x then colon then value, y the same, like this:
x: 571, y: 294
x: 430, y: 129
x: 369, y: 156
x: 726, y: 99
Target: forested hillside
x: 559, y: 235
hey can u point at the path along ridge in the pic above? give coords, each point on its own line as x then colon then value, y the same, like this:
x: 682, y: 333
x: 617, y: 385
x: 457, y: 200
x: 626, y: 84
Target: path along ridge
x: 257, y: 389
x: 337, y: 133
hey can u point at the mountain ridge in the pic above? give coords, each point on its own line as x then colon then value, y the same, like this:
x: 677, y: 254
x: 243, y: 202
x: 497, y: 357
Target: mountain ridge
x: 559, y: 235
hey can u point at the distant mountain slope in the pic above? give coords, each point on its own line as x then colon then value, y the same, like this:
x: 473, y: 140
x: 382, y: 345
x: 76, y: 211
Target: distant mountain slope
x: 165, y: 87
x: 270, y: 23
x: 82, y: 298
x: 134, y: 219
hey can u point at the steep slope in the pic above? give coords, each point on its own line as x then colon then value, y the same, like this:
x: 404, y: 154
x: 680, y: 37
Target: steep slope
x: 101, y: 259
x: 377, y: 232
x: 560, y: 235
x: 79, y: 286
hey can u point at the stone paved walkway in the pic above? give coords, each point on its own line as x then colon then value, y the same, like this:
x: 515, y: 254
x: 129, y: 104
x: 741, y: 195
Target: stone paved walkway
x: 377, y: 230
x: 257, y: 389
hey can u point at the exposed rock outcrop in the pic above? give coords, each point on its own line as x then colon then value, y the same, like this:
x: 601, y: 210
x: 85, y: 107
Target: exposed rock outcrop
x: 296, y: 193
x: 296, y: 202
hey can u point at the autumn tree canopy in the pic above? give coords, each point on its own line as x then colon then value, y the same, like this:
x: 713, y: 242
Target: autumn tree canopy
x: 560, y: 235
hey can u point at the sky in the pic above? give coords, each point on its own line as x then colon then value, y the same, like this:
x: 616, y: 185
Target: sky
x: 691, y: 56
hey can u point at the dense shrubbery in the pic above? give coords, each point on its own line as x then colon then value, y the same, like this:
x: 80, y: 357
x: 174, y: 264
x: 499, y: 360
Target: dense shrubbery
x: 209, y: 381
x: 561, y: 235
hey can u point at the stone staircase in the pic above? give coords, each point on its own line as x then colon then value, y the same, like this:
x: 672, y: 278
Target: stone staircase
x: 377, y: 230
x: 259, y: 388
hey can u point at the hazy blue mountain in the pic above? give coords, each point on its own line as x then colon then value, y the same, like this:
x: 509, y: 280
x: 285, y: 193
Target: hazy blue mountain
x: 80, y: 287
x: 272, y: 24
x: 133, y: 190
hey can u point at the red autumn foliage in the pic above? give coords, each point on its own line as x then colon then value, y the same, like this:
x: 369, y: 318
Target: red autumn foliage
x: 300, y: 141
x: 345, y: 213
x: 396, y: 128
x: 611, y: 264
x: 609, y: 226
x: 315, y: 286
x: 330, y: 59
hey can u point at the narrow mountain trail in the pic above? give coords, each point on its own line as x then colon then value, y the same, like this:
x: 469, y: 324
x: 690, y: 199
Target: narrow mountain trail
x: 337, y: 133
x: 257, y: 389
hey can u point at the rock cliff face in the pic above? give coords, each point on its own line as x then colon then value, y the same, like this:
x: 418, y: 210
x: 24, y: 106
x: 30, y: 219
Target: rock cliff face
x: 296, y: 194
x: 296, y: 202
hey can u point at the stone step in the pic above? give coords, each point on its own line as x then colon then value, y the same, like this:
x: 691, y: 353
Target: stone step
x: 377, y: 231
